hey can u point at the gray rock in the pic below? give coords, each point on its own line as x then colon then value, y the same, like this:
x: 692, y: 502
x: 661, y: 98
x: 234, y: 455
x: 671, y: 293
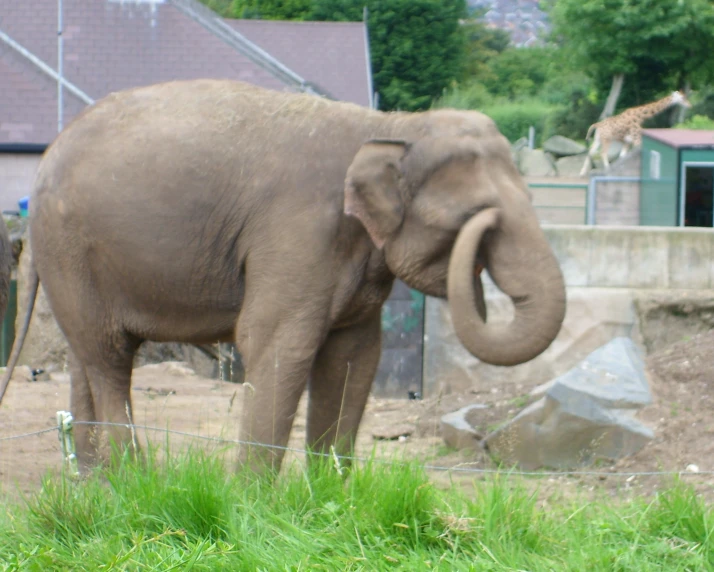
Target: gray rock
x: 586, y: 414
x: 522, y: 143
x: 563, y: 147
x: 570, y: 166
x: 535, y: 163
x: 457, y: 431
x: 516, y: 147
x: 613, y: 151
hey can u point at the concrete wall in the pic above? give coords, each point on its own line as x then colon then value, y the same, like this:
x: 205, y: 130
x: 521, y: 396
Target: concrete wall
x: 608, y: 271
x: 17, y: 174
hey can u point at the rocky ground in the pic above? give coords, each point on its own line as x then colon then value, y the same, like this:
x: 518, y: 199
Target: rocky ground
x: 169, y: 396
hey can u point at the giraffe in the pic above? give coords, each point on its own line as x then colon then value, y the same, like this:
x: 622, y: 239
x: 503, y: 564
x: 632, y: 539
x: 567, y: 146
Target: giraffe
x: 627, y: 127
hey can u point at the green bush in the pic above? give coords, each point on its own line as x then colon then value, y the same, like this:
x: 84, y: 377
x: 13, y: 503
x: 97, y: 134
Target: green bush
x: 698, y: 122
x: 702, y: 102
x: 514, y: 118
x: 467, y: 96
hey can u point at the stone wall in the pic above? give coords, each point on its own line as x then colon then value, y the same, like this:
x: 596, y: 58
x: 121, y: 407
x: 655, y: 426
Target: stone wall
x: 613, y: 276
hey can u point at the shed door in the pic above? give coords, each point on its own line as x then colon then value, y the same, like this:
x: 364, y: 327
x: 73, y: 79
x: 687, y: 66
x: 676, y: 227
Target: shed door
x: 697, y: 194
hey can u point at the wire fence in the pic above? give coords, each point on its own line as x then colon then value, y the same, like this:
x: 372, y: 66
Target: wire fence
x: 64, y: 430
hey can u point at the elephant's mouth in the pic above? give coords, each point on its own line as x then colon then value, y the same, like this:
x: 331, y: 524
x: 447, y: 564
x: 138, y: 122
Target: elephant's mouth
x: 522, y: 265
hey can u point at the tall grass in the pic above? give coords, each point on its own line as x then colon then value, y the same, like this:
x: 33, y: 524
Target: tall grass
x: 192, y: 513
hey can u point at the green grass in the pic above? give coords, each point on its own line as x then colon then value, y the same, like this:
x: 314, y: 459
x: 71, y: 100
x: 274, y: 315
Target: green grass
x: 191, y: 513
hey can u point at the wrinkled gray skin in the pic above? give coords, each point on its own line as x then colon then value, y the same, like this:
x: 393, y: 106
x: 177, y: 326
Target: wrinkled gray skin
x: 213, y: 210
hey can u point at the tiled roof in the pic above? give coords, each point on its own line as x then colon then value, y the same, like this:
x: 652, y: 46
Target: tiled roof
x: 111, y: 45
x: 327, y: 53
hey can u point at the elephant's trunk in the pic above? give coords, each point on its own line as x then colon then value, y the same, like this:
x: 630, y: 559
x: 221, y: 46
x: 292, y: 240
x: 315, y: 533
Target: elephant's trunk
x: 521, y: 263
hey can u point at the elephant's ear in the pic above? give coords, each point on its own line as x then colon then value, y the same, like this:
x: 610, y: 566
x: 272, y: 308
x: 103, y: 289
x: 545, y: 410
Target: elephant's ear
x: 372, y: 188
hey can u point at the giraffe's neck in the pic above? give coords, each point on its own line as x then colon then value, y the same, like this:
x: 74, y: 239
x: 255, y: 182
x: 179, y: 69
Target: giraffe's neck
x: 652, y: 109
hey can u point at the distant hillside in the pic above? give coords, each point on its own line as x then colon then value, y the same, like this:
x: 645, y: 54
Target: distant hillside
x: 524, y: 19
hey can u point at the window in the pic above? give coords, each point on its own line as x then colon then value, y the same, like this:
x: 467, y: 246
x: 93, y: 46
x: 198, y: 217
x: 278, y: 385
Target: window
x: 654, y: 165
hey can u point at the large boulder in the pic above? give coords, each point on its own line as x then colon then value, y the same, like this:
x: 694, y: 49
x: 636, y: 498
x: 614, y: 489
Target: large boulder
x: 535, y: 163
x: 570, y: 166
x: 586, y: 414
x: 563, y: 147
x: 457, y: 431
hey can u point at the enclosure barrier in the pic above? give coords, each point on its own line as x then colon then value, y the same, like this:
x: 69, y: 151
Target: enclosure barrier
x: 552, y: 205
x: 66, y: 425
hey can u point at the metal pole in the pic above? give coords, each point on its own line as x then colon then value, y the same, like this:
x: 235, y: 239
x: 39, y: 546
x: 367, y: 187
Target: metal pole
x: 44, y: 68
x: 590, y: 202
x: 60, y: 103
x: 368, y: 57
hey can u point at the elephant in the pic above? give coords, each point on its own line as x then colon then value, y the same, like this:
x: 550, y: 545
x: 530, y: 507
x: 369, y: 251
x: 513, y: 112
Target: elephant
x: 210, y: 210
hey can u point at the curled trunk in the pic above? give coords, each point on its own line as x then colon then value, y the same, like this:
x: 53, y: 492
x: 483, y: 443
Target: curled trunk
x: 521, y: 263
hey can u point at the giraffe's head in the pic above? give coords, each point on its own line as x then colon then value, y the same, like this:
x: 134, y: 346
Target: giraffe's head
x: 678, y: 98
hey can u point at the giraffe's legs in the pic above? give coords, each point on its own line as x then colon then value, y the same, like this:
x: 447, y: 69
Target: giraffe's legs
x: 603, y: 153
x: 591, y: 153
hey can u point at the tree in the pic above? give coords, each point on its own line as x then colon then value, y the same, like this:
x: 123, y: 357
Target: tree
x: 417, y: 46
x: 271, y: 9
x: 520, y: 72
x: 656, y: 44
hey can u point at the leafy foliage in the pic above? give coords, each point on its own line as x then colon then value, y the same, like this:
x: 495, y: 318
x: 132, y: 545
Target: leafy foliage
x: 417, y: 46
x: 271, y: 9
x: 520, y: 72
x: 482, y: 45
x: 514, y: 118
x: 698, y: 122
x: 658, y: 44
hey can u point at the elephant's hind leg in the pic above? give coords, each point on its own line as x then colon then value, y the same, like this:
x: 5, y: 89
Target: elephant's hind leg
x: 101, y: 392
x: 340, y: 384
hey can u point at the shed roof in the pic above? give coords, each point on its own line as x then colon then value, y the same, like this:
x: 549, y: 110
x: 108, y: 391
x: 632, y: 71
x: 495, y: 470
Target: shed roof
x: 679, y: 138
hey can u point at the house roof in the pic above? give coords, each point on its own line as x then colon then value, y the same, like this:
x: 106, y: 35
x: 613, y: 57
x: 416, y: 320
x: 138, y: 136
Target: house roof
x: 679, y: 138
x: 110, y: 45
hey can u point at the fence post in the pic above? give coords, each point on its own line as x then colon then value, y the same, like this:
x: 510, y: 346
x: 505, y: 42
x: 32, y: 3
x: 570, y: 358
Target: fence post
x: 66, y: 437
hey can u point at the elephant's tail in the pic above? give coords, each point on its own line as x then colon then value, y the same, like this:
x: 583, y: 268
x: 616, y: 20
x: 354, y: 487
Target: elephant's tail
x: 34, y: 282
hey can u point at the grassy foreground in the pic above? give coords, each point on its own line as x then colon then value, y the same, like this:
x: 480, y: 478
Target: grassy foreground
x: 193, y: 514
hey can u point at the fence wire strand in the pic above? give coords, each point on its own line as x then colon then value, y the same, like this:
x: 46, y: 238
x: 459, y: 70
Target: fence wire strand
x: 460, y: 468
x: 33, y: 434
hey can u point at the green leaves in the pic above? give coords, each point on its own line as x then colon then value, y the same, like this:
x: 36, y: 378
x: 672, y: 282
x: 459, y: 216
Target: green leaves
x: 417, y: 46
x: 659, y: 44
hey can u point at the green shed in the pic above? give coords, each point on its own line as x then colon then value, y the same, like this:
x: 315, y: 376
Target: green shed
x: 677, y: 177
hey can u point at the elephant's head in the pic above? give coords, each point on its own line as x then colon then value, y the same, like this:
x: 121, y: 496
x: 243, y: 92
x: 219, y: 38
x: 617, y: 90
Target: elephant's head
x: 446, y: 204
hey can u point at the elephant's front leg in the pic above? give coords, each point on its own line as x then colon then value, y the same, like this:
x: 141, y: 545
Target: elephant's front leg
x: 278, y: 357
x: 340, y: 384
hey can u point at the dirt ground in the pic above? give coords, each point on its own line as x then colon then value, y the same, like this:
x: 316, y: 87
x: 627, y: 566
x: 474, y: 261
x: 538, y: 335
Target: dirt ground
x: 167, y: 396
